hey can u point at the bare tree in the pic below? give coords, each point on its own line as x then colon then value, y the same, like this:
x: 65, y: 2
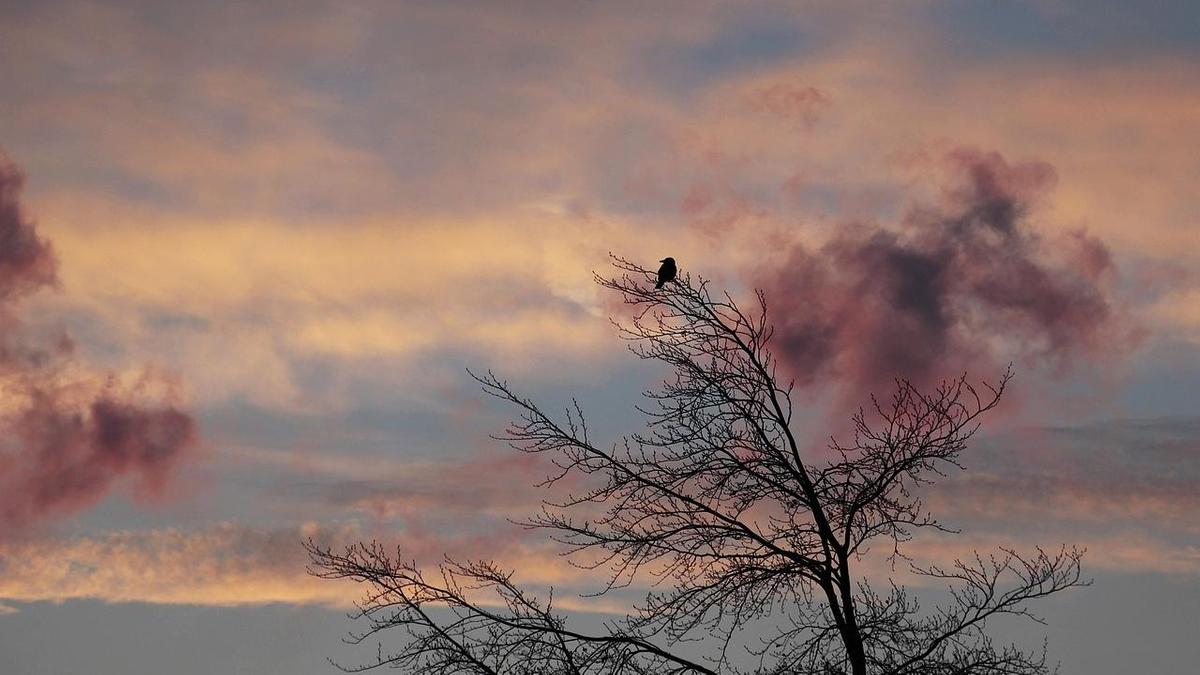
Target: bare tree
x: 716, y: 503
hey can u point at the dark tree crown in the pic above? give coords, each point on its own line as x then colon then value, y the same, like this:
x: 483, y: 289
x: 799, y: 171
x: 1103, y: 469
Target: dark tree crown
x: 717, y: 506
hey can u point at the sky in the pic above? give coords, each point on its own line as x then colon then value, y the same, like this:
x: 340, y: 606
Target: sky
x: 247, y: 251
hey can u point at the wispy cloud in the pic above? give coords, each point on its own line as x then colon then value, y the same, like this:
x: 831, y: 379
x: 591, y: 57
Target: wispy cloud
x: 225, y: 565
x: 231, y: 565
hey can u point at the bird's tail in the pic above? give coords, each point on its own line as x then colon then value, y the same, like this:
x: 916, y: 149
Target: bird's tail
x: 658, y: 285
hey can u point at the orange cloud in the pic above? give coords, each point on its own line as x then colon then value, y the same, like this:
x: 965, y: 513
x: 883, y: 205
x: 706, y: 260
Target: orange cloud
x: 225, y: 565
x: 231, y: 565
x: 241, y: 301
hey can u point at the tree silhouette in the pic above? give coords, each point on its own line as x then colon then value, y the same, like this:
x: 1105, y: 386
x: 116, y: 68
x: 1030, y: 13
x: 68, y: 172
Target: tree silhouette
x: 716, y: 504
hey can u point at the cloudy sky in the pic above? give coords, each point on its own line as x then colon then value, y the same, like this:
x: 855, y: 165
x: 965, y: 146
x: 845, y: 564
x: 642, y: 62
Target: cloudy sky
x: 248, y: 249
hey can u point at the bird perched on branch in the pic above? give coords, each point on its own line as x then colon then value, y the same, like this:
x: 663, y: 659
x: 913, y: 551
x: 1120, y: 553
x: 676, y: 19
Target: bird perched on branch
x: 666, y: 272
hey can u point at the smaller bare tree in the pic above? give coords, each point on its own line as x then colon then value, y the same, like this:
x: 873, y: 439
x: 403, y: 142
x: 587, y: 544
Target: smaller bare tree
x: 716, y: 504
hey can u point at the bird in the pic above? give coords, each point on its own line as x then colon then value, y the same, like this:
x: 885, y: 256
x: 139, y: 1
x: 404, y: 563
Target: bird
x: 666, y: 272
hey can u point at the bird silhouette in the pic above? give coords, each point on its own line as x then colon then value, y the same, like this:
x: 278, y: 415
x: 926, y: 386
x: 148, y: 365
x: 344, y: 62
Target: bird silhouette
x: 666, y: 272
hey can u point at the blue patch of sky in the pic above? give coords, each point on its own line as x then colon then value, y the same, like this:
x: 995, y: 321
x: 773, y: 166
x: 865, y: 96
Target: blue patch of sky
x: 736, y: 47
x: 1162, y: 380
x: 162, y: 320
x: 95, y: 175
x: 1091, y: 30
x: 368, y: 431
x: 232, y: 496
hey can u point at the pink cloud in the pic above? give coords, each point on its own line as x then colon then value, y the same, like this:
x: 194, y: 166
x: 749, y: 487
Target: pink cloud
x: 27, y: 261
x: 70, y: 458
x: 963, y: 283
x: 73, y: 431
x: 800, y: 104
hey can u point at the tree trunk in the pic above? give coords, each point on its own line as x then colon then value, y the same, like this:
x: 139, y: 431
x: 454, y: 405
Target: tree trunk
x: 854, y: 649
x: 851, y: 635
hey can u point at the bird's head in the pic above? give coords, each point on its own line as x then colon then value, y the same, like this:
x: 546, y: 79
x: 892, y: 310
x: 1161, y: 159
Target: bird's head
x: 667, y: 260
